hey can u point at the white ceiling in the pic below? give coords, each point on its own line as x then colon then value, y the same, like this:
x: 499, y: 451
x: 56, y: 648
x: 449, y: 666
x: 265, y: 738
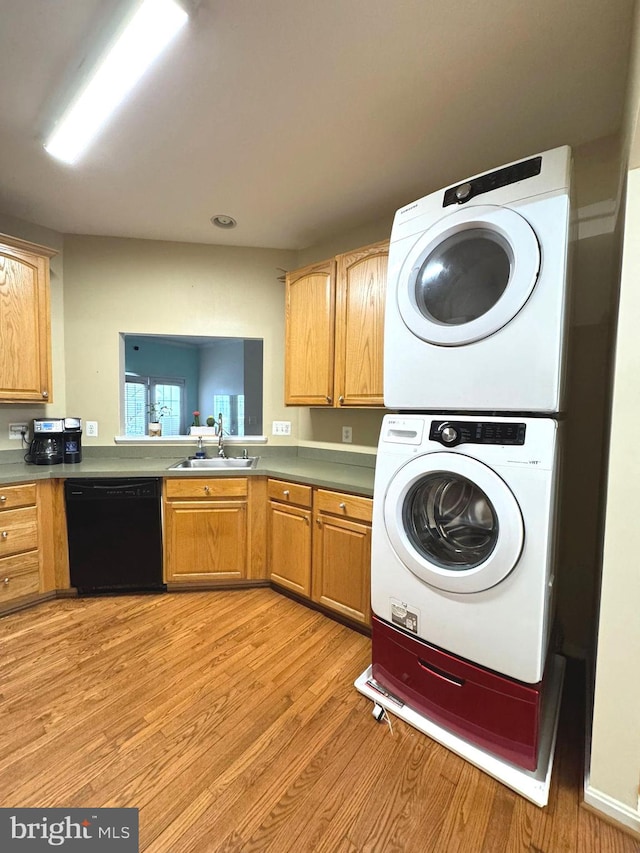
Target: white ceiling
x: 302, y: 118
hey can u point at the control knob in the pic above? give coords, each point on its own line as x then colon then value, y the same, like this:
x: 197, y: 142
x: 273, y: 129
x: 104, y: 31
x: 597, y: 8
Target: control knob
x: 463, y: 191
x: 448, y: 434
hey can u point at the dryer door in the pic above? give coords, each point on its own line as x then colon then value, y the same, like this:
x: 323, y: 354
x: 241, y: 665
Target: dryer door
x: 453, y: 522
x: 468, y: 275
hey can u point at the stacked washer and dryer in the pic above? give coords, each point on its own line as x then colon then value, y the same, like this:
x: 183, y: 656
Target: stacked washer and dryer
x: 466, y: 484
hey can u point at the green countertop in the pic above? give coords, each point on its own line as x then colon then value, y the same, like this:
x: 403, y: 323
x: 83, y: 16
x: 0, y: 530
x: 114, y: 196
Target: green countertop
x: 357, y: 479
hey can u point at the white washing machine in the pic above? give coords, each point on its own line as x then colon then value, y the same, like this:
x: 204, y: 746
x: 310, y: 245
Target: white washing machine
x: 463, y: 536
x: 477, y: 293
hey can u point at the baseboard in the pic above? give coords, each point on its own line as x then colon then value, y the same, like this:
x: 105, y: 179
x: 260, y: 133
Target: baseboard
x: 25, y: 602
x: 618, y: 812
x: 606, y: 807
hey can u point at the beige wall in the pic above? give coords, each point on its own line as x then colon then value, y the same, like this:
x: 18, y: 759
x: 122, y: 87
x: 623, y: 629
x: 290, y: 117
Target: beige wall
x: 615, y: 744
x: 615, y: 757
x: 117, y: 285
x: 11, y: 413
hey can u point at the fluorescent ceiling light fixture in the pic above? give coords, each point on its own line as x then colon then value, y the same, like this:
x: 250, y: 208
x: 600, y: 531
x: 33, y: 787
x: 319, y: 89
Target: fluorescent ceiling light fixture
x: 147, y: 33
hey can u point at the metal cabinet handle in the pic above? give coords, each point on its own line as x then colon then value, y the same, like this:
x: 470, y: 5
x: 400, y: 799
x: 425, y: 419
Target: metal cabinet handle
x: 319, y: 522
x: 328, y: 399
x: 4, y: 534
x: 3, y: 498
x: 342, y: 506
x: 306, y: 518
x: 206, y: 488
x: 6, y: 581
x: 286, y: 493
x: 45, y: 394
x: 341, y: 399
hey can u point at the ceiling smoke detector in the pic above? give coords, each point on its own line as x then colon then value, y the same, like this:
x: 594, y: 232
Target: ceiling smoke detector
x: 221, y: 220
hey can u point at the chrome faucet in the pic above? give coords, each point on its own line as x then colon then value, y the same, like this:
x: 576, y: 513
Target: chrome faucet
x: 221, y: 452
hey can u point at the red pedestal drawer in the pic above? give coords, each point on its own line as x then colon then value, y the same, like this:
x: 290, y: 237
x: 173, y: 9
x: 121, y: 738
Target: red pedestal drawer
x: 494, y: 712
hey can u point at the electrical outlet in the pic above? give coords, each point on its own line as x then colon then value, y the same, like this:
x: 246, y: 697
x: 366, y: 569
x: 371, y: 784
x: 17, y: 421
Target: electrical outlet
x: 91, y: 429
x: 16, y: 431
x: 281, y: 428
x: 347, y: 435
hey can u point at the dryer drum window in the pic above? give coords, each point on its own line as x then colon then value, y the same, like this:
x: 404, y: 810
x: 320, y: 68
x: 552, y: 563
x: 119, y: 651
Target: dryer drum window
x: 464, y: 276
x: 450, y: 521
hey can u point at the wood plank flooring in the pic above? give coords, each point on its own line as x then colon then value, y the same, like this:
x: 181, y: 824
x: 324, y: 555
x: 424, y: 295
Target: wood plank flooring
x: 231, y: 721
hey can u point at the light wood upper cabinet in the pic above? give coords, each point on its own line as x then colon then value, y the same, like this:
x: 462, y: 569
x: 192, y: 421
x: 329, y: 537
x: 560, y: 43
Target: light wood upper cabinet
x: 25, y: 324
x: 309, y: 345
x: 360, y: 296
x: 334, y: 330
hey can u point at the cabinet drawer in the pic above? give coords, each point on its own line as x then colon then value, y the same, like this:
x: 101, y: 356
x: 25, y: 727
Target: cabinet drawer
x: 347, y: 506
x: 293, y: 493
x: 18, y: 531
x: 201, y: 489
x: 19, y: 576
x: 14, y: 496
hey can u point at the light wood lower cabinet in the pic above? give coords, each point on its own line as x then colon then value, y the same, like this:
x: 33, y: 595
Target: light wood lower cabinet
x: 327, y: 561
x: 19, y: 542
x: 205, y: 529
x: 342, y: 554
x: 290, y: 536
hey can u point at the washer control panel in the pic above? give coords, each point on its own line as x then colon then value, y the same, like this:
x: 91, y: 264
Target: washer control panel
x: 451, y: 433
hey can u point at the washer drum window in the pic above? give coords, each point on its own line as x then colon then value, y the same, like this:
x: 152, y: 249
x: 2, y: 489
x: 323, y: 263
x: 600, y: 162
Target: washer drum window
x: 450, y: 521
x: 453, y: 522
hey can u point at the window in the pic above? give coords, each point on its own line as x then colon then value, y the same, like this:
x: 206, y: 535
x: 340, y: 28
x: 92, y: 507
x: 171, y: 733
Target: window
x: 231, y: 407
x: 149, y: 398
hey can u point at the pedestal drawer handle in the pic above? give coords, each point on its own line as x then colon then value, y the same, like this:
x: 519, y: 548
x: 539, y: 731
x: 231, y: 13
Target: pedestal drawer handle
x: 439, y: 673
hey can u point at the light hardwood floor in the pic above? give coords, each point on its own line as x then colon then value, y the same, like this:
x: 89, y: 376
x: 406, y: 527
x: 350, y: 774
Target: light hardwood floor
x: 230, y: 720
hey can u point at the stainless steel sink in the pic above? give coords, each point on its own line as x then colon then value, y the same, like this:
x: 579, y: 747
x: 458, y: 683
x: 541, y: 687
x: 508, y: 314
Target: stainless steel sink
x: 216, y: 462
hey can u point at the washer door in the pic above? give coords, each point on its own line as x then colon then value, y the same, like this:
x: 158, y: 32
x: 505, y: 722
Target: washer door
x: 453, y: 522
x: 468, y: 275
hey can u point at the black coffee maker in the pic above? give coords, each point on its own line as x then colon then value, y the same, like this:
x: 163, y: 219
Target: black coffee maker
x: 72, y: 440
x: 47, y: 447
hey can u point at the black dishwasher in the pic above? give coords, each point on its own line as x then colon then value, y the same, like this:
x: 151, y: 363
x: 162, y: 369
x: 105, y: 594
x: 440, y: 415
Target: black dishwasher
x: 115, y: 535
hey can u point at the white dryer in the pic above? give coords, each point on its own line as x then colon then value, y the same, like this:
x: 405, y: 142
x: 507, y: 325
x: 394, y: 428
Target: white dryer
x: 477, y: 293
x: 463, y: 536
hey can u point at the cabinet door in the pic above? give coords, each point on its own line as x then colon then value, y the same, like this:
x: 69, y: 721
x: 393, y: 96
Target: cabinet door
x: 360, y: 297
x: 25, y: 357
x: 310, y: 314
x: 341, y: 567
x: 205, y: 540
x: 290, y: 547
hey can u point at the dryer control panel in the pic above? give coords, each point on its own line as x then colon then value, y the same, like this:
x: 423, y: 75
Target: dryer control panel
x: 451, y: 433
x: 492, y: 181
